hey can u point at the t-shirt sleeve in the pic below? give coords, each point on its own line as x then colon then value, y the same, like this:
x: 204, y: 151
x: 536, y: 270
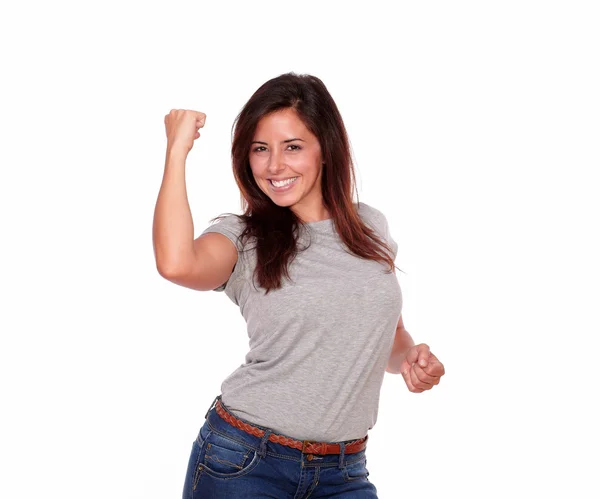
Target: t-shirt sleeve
x: 379, y: 222
x: 231, y: 227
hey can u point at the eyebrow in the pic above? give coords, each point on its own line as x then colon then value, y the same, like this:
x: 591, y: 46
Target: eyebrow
x: 283, y: 141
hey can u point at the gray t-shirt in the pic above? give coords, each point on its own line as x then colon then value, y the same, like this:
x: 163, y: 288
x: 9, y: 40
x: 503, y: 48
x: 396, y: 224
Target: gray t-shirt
x: 319, y: 345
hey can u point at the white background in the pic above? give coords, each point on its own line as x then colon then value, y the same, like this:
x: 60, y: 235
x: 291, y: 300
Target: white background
x: 475, y: 130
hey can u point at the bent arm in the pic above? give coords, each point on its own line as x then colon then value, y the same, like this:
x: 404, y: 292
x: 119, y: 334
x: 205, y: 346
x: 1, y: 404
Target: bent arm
x: 173, y: 227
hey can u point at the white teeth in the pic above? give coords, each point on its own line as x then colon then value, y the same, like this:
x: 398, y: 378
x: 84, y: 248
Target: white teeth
x: 283, y: 182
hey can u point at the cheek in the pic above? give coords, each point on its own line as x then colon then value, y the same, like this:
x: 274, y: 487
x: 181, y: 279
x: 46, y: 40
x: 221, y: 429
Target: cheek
x: 305, y: 165
x: 258, y: 164
x: 255, y: 167
x: 310, y: 171
x: 256, y: 175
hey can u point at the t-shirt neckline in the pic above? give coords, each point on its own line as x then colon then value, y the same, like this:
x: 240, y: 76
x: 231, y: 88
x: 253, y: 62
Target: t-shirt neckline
x: 319, y: 221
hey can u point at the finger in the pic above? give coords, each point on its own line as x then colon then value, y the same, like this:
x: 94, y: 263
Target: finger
x: 423, y: 376
x: 411, y: 387
x: 404, y: 366
x: 412, y: 355
x: 435, y: 367
x: 423, y: 354
x: 416, y: 382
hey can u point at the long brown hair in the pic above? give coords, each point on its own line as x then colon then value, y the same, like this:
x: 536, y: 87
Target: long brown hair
x: 274, y: 228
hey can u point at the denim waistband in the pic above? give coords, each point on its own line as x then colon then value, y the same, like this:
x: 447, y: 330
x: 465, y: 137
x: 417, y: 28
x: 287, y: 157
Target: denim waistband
x: 264, y: 445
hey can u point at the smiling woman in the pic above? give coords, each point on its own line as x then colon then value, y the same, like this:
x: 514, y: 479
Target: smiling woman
x: 289, y: 162
x: 312, y: 272
x: 291, y: 130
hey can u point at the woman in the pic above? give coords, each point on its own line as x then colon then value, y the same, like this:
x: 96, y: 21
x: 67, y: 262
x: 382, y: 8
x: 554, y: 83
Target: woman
x: 313, y: 274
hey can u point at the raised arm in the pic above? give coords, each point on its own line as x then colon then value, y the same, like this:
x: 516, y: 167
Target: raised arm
x: 206, y: 262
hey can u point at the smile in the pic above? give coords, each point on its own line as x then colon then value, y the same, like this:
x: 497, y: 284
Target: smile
x: 286, y: 187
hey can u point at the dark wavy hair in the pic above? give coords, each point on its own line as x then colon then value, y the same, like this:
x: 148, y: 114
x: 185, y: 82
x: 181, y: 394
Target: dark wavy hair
x: 275, y: 229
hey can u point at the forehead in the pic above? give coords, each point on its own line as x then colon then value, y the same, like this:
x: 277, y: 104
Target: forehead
x: 282, y: 122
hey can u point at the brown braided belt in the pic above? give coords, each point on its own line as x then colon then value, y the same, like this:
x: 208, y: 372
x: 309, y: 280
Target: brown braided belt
x: 306, y: 446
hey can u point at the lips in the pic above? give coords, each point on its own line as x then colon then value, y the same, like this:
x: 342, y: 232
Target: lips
x: 286, y: 187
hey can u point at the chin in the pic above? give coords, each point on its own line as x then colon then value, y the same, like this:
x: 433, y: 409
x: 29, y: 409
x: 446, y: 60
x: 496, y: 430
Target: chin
x: 283, y: 201
x: 283, y: 204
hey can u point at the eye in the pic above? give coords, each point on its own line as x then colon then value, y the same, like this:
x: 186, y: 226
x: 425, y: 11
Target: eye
x: 294, y: 146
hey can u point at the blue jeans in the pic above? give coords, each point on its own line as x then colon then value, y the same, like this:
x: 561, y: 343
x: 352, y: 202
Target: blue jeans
x: 227, y: 462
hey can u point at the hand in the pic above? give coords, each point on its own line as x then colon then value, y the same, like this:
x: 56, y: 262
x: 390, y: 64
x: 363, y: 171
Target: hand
x: 421, y: 369
x: 181, y: 126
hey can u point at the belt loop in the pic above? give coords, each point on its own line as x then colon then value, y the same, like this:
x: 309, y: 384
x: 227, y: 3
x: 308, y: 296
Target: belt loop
x: 212, y: 405
x: 263, y: 443
x: 342, y: 452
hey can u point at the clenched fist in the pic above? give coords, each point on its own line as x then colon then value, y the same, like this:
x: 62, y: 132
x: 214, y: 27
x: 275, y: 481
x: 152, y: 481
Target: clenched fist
x: 182, y: 128
x: 421, y: 369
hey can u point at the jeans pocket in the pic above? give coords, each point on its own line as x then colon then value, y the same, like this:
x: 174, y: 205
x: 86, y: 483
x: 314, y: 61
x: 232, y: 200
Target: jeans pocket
x: 226, y: 458
x: 356, y: 470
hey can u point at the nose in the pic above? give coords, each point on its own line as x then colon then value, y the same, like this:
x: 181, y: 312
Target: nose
x: 276, y: 163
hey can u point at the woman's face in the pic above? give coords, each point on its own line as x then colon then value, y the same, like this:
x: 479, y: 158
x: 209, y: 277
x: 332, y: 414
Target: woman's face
x: 283, y: 148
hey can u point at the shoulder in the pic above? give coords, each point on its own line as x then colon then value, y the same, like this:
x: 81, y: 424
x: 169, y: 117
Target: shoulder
x: 372, y: 215
x: 378, y: 222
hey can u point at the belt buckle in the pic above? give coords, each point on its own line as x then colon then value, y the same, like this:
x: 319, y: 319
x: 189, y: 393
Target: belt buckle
x: 319, y: 446
x: 305, y: 443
